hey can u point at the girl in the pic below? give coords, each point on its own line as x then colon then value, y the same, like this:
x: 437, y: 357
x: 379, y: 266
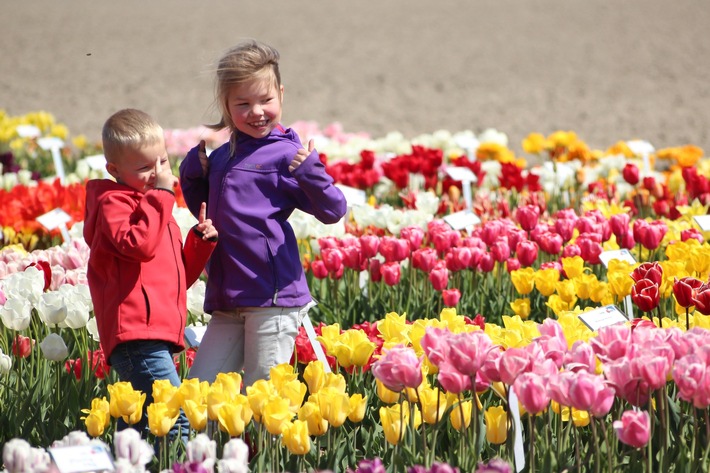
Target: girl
x: 256, y: 289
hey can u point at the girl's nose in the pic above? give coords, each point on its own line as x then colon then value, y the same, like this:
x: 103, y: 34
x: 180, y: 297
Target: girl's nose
x: 256, y: 109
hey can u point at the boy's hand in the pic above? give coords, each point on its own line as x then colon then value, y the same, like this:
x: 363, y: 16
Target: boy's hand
x: 204, y: 161
x: 204, y: 224
x: 164, y: 178
x: 301, y: 156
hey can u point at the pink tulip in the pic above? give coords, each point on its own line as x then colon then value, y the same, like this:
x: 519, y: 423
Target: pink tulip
x: 491, y: 231
x: 414, y: 235
x: 527, y: 216
x: 391, y: 273
x: 531, y: 392
x: 619, y: 224
x: 689, y: 373
x: 589, y: 392
x: 332, y: 258
x: 451, y: 297
x: 394, y: 249
x: 435, y: 344
x: 634, y: 428
x: 512, y: 264
x: 500, y: 250
x: 369, y: 244
x: 692, y: 233
x: 623, y: 375
x: 565, y: 229
x: 512, y: 363
x: 589, y: 248
x: 527, y: 252
x: 468, y: 351
x: 452, y: 380
x: 487, y: 263
x: 611, y: 342
x: 439, y: 277
x: 398, y: 368
x: 558, y: 387
x: 580, y: 357
x: 424, y: 259
x: 319, y: 269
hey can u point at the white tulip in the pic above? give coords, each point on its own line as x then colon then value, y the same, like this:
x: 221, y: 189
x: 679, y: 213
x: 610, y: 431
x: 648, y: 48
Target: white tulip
x: 16, y: 313
x: 5, y: 363
x: 54, y: 348
x: 52, y: 308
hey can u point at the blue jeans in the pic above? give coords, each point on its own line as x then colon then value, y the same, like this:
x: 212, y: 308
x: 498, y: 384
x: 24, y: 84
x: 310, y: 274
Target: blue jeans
x: 140, y: 363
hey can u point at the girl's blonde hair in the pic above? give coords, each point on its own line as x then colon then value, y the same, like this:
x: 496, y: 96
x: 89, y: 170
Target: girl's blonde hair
x: 129, y: 129
x: 244, y: 62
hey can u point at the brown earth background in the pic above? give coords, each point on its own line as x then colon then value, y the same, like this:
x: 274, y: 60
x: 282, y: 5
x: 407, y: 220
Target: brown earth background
x: 608, y: 70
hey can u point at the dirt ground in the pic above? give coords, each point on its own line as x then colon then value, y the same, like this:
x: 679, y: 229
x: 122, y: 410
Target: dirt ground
x: 609, y: 70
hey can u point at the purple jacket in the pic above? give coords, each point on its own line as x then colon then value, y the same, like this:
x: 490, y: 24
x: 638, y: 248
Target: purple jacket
x: 250, y: 196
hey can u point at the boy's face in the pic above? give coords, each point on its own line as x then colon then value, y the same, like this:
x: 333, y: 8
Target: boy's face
x: 255, y: 107
x: 136, y: 167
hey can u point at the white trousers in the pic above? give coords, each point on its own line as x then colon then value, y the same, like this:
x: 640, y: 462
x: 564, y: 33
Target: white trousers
x: 253, y: 339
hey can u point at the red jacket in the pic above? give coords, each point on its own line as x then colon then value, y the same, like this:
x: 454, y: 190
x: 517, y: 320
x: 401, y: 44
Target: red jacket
x: 138, y: 270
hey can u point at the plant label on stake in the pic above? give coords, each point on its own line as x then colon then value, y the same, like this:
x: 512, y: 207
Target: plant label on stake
x: 27, y: 131
x: 82, y: 458
x: 518, y: 448
x: 56, y: 218
x: 644, y: 149
x: 622, y: 255
x: 54, y: 144
x: 602, y: 317
x: 467, y: 177
x: 703, y: 222
x: 353, y: 197
x: 463, y: 219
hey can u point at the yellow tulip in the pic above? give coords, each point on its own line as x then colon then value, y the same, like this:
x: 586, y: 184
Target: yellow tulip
x: 216, y: 398
x: 523, y: 280
x: 358, y: 406
x: 100, y: 404
x: 128, y: 401
x: 295, y: 437
x: 566, y: 290
x: 386, y: 395
x: 160, y: 420
x: 294, y: 391
x: 314, y: 375
x: 460, y: 416
x: 194, y: 389
x: 394, y: 328
x: 496, y: 424
x: 164, y: 391
x: 259, y: 394
x: 235, y: 415
x: 335, y: 381
x: 353, y: 348
x: 329, y: 335
x: 573, y: 266
x: 196, y: 414
x: 394, y: 420
x: 545, y: 280
x: 96, y: 422
x: 282, y: 374
x: 434, y: 404
x: 557, y: 304
x: 310, y: 413
x: 276, y: 415
x: 232, y: 382
x: 521, y: 307
x: 535, y: 143
x: 599, y: 292
x: 334, y: 405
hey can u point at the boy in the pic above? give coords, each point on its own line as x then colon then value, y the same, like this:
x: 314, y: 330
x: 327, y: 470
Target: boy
x: 139, y: 270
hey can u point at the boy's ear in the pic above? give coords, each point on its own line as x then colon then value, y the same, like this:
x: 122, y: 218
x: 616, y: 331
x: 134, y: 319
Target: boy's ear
x: 112, y: 169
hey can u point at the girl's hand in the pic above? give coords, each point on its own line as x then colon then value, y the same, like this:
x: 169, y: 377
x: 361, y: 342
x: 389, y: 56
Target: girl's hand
x: 204, y: 224
x: 301, y: 156
x: 204, y: 161
x: 164, y: 178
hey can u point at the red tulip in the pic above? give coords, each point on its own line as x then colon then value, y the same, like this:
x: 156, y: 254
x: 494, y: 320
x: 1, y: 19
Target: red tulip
x: 701, y: 299
x: 685, y: 289
x: 424, y: 259
x: 375, y: 270
x: 645, y: 295
x: 319, y: 269
x: 631, y: 174
x: 649, y: 270
x: 527, y: 252
x: 22, y: 346
x: 369, y: 244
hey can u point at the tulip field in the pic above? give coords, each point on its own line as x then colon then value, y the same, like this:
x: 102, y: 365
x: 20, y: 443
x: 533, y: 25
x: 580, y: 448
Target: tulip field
x: 478, y: 310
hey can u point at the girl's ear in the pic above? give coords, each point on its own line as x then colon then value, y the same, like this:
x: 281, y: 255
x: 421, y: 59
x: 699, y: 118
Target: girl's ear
x: 282, y: 93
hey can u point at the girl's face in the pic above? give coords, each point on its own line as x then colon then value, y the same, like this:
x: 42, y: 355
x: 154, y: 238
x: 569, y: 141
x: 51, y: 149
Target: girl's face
x: 255, y: 107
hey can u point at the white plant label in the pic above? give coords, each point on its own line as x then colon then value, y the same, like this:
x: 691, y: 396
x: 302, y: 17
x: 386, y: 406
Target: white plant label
x: 82, y: 458
x: 602, y: 317
x: 461, y: 220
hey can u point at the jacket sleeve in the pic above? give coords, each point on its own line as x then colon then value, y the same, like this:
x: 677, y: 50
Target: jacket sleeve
x: 195, y: 253
x: 136, y: 231
x: 194, y: 186
x: 322, y: 199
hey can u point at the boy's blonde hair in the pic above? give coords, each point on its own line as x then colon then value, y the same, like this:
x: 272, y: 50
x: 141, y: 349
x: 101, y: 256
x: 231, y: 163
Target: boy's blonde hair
x: 244, y: 62
x: 129, y: 129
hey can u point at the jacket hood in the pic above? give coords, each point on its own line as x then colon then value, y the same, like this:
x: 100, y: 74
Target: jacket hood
x: 95, y: 190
